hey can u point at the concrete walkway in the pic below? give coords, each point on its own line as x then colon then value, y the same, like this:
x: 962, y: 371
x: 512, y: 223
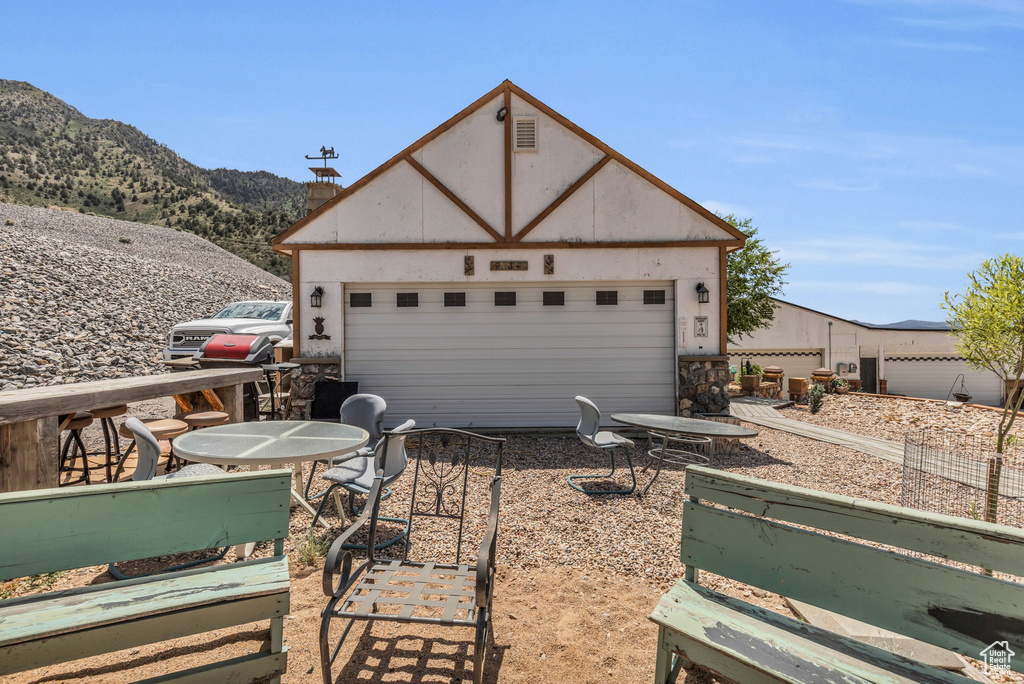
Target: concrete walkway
x: 764, y: 412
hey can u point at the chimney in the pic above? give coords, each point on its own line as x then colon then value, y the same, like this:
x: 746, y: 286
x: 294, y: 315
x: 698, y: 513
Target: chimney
x: 319, y: 192
x: 323, y: 189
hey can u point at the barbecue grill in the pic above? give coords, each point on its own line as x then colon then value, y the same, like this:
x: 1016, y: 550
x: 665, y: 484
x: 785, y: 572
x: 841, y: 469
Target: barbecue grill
x: 230, y: 351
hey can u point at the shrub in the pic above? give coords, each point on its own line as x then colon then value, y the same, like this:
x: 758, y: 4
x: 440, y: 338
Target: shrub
x: 815, y: 398
x: 9, y: 222
x: 311, y: 548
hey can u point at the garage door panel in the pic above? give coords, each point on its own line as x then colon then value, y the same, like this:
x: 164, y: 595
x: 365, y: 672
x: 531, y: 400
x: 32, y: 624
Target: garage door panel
x: 521, y: 366
x: 794, y: 364
x: 932, y: 378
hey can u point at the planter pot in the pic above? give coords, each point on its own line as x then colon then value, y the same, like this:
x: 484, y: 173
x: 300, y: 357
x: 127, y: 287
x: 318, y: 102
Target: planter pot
x: 798, y: 385
x: 750, y: 382
x: 842, y: 390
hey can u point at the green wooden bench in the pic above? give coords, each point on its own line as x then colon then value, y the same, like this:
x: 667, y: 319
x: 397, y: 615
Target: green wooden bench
x: 951, y: 608
x: 49, y: 530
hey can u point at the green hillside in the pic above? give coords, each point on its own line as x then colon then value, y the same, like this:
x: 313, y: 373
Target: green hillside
x: 51, y: 155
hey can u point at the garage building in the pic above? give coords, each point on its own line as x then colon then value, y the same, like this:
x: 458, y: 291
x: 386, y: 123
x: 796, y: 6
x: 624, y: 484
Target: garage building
x: 506, y: 262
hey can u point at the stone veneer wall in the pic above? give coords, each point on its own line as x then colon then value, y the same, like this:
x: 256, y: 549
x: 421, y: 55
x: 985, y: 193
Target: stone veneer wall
x: 303, y: 379
x: 703, y: 384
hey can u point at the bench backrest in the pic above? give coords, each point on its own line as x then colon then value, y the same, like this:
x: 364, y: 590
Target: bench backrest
x: 47, y: 530
x: 952, y: 608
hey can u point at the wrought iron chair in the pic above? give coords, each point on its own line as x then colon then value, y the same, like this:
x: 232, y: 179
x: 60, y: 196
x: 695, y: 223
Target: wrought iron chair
x: 361, y: 410
x: 148, y: 450
x: 590, y: 433
x: 356, y: 476
x: 446, y: 590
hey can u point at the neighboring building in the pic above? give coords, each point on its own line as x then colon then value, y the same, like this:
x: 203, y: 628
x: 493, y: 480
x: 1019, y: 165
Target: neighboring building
x: 914, y: 358
x: 506, y: 262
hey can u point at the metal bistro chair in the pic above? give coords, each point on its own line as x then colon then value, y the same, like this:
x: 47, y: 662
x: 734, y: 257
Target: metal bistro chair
x: 589, y: 432
x: 148, y: 448
x: 442, y: 590
x: 357, y: 475
x: 364, y: 411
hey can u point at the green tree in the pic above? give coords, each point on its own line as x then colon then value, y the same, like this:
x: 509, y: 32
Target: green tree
x: 988, y: 320
x: 755, y: 275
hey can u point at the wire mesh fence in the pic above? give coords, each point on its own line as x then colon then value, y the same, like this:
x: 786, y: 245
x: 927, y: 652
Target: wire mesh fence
x: 962, y: 475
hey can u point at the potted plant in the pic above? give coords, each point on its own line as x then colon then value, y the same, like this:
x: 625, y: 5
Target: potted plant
x: 751, y: 379
x: 840, y: 386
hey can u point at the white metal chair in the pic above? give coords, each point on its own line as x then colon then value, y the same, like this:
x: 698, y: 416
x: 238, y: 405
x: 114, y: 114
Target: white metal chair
x: 590, y: 433
x: 356, y: 477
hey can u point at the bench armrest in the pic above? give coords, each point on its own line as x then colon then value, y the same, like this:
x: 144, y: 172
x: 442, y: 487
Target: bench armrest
x: 339, y: 559
x: 485, y: 559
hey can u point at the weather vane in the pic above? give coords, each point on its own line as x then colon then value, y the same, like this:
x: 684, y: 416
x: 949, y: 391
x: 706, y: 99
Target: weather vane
x: 325, y: 173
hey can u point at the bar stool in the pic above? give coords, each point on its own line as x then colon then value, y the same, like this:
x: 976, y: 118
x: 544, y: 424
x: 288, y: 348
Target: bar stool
x: 201, y: 419
x: 73, y: 443
x: 162, y: 428
x: 111, y: 439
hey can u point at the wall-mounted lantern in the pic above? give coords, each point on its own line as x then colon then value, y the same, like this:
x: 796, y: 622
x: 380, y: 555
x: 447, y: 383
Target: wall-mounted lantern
x: 703, y: 295
x: 316, y: 297
x: 502, y: 113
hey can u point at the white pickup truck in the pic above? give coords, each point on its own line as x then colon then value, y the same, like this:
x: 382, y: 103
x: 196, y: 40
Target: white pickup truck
x: 273, y: 319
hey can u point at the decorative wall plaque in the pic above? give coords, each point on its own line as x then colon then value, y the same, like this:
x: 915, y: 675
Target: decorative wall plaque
x: 549, y: 264
x: 469, y: 266
x: 318, y: 328
x: 509, y: 265
x: 700, y: 326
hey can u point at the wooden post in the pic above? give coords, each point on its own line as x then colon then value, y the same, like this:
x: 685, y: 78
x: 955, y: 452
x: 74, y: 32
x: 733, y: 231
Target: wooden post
x: 29, y: 454
x: 231, y: 397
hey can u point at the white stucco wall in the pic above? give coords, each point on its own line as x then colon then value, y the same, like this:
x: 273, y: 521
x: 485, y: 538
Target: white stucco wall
x: 333, y: 270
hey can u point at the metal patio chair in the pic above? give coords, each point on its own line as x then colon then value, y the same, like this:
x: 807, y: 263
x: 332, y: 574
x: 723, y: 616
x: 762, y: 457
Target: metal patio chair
x: 356, y: 476
x: 364, y: 411
x: 453, y: 469
x: 148, y: 458
x: 590, y: 433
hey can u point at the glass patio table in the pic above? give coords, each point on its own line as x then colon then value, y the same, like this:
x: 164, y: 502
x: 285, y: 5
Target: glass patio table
x: 272, y: 443
x: 667, y: 426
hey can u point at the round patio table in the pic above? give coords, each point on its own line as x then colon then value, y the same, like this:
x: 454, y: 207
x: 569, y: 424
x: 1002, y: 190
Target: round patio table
x: 272, y: 443
x: 666, y: 426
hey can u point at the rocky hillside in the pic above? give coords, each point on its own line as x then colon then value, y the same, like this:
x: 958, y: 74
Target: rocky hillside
x: 89, y: 298
x: 52, y: 155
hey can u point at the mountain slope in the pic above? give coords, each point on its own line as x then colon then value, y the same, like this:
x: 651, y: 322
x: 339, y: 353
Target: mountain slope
x: 52, y: 155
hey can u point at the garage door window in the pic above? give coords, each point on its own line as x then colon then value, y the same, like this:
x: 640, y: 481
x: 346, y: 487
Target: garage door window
x: 607, y: 297
x: 554, y: 299
x: 360, y: 299
x: 455, y: 299
x: 504, y: 299
x: 408, y: 299
x: 654, y: 296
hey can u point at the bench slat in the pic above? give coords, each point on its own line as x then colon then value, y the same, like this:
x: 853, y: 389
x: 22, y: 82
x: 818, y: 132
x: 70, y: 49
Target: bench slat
x: 975, y: 542
x: 58, y: 529
x: 34, y: 617
x: 954, y: 609
x: 247, y: 668
x: 750, y: 644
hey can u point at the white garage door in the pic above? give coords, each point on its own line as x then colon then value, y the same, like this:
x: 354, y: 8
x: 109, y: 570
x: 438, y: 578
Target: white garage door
x: 795, y: 363
x: 930, y: 377
x: 497, y: 356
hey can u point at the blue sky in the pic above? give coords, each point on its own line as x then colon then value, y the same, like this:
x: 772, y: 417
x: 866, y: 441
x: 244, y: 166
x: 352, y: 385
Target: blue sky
x: 877, y: 144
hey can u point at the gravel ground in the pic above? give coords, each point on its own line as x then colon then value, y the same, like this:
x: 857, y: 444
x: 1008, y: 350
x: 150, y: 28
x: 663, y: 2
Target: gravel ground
x: 88, y: 298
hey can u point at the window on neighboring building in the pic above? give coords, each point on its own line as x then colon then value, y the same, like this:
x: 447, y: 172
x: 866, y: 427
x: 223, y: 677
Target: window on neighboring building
x: 455, y: 299
x: 607, y: 297
x: 554, y: 299
x: 408, y: 299
x: 654, y: 296
x: 360, y: 299
x: 504, y: 299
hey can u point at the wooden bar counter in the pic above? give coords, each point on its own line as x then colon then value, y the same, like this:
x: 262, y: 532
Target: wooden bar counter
x: 30, y: 418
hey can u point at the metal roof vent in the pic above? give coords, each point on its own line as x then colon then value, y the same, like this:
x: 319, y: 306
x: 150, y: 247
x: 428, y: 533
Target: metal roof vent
x: 525, y: 133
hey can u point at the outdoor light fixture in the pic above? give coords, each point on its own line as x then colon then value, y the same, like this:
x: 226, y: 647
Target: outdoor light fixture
x: 316, y: 297
x: 502, y: 113
x: 702, y: 294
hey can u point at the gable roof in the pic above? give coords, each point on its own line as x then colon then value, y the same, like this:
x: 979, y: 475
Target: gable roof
x: 507, y: 89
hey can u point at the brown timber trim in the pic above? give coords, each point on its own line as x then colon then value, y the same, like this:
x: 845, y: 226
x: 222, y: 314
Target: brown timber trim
x: 561, y: 198
x: 372, y: 246
x: 507, y: 100
x: 455, y: 200
x: 723, y: 302
x: 296, y: 331
x: 391, y: 162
